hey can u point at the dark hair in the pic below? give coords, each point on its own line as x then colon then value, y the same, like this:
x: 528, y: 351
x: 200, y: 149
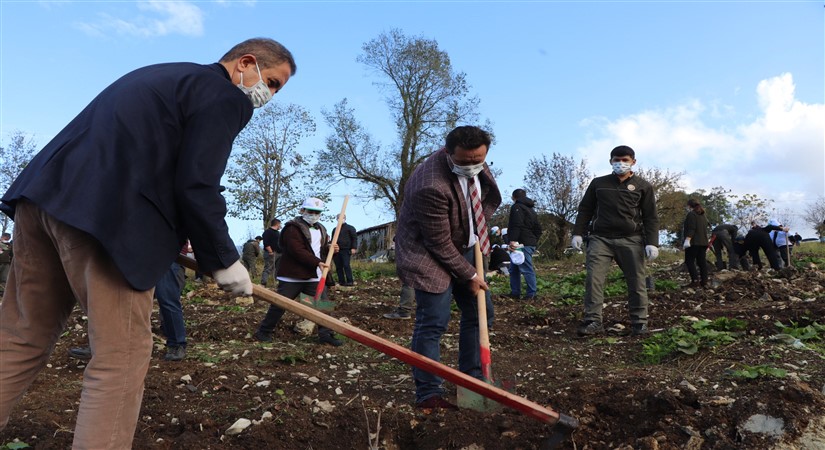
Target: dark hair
x: 269, y: 53
x: 258, y: 238
x: 623, y: 150
x: 695, y: 206
x: 519, y: 193
x: 468, y: 137
x: 274, y: 222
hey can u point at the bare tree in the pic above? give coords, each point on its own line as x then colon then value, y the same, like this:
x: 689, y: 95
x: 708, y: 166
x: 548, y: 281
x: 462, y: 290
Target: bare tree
x: 557, y: 184
x: 814, y: 216
x: 13, y: 159
x: 426, y: 99
x: 784, y: 216
x: 269, y: 177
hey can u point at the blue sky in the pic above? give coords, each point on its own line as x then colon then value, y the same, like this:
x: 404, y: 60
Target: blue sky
x: 731, y: 93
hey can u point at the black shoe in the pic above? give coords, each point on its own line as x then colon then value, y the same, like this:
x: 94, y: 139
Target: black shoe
x: 262, y: 337
x: 513, y: 296
x: 435, y: 402
x: 639, y: 329
x: 175, y: 353
x: 590, y: 328
x: 397, y: 315
x: 529, y: 297
x: 330, y: 340
x: 82, y: 353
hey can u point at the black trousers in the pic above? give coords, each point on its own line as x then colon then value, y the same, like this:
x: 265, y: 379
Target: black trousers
x: 342, y: 265
x: 291, y: 290
x: 696, y: 254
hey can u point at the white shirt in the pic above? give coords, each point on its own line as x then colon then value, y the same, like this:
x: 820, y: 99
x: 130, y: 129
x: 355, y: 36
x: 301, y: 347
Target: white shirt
x: 315, y: 243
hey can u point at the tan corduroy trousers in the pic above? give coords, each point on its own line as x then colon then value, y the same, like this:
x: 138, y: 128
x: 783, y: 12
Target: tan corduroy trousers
x: 55, y: 266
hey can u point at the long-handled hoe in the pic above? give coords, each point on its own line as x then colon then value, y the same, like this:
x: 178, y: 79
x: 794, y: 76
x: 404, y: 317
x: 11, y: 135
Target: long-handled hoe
x: 562, y: 425
x: 466, y: 397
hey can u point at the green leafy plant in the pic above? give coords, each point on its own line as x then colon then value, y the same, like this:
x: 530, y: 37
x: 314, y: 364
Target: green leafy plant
x: 666, y: 285
x: 536, y: 312
x: 14, y: 445
x: 812, y: 332
x: 753, y: 372
x: 660, y: 346
x: 720, y: 324
x: 293, y: 358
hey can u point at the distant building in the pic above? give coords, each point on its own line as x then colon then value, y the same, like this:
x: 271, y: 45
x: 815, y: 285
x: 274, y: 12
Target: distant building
x: 376, y: 241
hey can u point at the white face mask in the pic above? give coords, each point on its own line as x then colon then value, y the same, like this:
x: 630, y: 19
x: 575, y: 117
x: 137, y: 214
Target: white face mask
x: 259, y: 94
x: 311, y: 218
x: 621, y: 167
x: 467, y: 171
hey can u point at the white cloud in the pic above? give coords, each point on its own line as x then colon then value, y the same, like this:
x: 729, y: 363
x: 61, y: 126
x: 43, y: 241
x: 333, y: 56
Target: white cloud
x: 778, y: 154
x: 161, y: 18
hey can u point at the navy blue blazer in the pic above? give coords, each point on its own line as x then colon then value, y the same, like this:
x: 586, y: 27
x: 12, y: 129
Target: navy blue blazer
x: 140, y: 168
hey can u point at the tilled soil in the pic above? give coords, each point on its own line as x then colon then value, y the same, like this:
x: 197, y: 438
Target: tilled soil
x: 304, y: 395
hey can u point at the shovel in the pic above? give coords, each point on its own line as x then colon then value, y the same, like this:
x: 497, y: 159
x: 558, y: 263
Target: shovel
x: 317, y: 302
x: 466, y: 398
x: 562, y: 424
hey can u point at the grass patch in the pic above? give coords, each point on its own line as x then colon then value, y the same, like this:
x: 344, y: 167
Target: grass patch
x: 232, y: 308
x: 366, y: 271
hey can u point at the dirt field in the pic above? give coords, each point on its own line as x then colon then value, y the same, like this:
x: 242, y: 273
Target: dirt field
x: 748, y: 384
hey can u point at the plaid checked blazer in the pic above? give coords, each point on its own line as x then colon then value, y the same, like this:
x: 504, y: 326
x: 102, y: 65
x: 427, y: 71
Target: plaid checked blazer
x: 434, y: 225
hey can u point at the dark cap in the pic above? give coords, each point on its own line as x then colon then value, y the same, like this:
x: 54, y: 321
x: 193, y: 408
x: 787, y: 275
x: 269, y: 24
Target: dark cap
x: 623, y: 150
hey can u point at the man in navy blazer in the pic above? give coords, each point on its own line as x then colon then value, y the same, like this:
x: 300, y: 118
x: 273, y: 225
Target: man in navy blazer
x: 102, y: 211
x: 434, y: 252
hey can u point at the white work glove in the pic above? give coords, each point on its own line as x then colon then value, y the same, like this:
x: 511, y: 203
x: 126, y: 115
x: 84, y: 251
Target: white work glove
x: 651, y: 252
x: 576, y: 242
x: 234, y: 279
x: 686, y: 244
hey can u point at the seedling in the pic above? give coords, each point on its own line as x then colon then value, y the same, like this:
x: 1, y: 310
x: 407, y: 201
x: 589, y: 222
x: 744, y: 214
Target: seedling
x: 753, y: 372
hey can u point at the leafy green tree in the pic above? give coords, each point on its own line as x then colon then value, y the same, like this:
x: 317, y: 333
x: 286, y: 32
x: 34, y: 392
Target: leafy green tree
x: 749, y: 209
x: 426, y: 99
x: 670, y: 198
x: 268, y: 176
x: 716, y: 203
x: 14, y: 157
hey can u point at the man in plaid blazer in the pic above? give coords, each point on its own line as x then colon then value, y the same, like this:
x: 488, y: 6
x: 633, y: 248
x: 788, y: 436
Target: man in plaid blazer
x: 434, y: 252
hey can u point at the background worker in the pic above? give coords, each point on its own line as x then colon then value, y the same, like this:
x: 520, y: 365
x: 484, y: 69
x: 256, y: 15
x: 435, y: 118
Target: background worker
x: 695, y: 232
x: 723, y: 236
x: 760, y: 238
x: 347, y: 247
x: 304, y: 242
x: 619, y: 211
x: 250, y: 252
x: 272, y: 250
x: 523, y: 233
